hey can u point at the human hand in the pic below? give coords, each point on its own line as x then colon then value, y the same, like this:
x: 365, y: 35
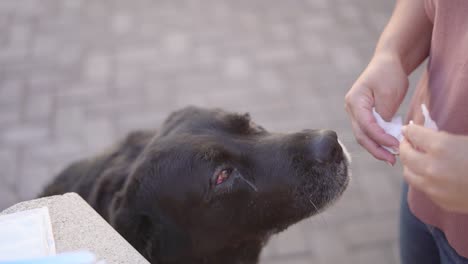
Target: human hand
x: 436, y: 164
x: 382, y: 85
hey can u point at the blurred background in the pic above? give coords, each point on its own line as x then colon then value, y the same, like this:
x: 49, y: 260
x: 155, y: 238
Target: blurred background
x: 77, y: 75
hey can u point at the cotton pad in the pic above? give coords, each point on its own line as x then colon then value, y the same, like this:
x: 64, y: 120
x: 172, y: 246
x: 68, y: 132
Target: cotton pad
x: 394, y: 127
x: 428, y: 122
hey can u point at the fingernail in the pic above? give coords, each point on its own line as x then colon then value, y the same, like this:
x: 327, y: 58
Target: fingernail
x: 396, y: 150
x: 389, y: 164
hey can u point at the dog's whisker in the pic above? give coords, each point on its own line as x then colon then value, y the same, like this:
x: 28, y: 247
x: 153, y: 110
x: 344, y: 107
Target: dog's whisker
x: 316, y: 208
x: 318, y: 211
x: 249, y: 183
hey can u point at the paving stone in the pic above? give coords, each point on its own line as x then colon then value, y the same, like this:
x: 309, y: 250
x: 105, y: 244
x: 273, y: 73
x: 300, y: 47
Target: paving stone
x: 97, y: 68
x: 8, y: 196
x: 24, y: 134
x: 82, y: 94
x: 345, y: 58
x: 269, y: 251
x: 99, y: 134
x: 303, y: 259
x: 45, y: 84
x: 327, y: 246
x: 8, y: 158
x: 176, y: 43
x: 60, y: 147
x: 69, y: 122
x: 122, y: 23
x: 34, y: 176
x: 11, y: 92
x: 20, y: 35
x: 8, y: 115
x: 372, y: 255
x: 150, y: 120
x: 39, y: 107
x: 371, y: 230
x: 237, y: 67
x: 45, y: 46
x: 291, y: 242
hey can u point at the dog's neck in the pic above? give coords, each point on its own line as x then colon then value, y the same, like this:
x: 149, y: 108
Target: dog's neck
x: 246, y: 253
x: 168, y: 244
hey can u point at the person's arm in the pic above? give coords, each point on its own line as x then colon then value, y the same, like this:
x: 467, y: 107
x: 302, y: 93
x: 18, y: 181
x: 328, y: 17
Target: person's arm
x: 407, y: 36
x: 402, y: 46
x: 436, y: 164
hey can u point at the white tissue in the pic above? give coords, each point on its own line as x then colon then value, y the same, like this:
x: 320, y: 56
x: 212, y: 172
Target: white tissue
x: 428, y: 122
x: 26, y: 234
x: 394, y: 127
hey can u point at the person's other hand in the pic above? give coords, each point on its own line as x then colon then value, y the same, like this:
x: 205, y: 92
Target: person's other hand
x: 436, y: 163
x: 382, y: 85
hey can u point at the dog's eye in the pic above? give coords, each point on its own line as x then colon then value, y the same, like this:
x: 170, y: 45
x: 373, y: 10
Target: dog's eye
x: 223, y: 175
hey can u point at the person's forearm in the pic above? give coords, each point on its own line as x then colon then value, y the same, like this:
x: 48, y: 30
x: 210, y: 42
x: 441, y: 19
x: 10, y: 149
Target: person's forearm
x: 407, y: 35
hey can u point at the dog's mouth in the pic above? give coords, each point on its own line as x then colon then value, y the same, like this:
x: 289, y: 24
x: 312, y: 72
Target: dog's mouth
x: 343, y: 176
x: 344, y: 169
x: 324, y: 186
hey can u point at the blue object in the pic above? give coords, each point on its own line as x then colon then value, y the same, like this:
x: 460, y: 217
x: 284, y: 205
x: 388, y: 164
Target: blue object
x: 421, y: 243
x: 82, y: 257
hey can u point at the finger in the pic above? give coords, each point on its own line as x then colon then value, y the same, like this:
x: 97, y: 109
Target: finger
x: 415, y: 160
x: 433, y: 191
x: 415, y: 180
x: 422, y: 138
x: 373, y: 148
x: 442, y: 200
x: 369, y: 126
x: 360, y: 110
x: 441, y: 203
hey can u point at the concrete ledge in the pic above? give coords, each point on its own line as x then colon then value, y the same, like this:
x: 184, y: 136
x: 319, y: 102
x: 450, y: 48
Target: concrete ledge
x: 77, y: 226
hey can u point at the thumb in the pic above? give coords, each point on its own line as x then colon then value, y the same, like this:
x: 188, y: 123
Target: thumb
x: 422, y: 138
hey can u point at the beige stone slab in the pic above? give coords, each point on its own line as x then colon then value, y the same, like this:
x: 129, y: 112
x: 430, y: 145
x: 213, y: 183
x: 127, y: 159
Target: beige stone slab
x: 77, y: 226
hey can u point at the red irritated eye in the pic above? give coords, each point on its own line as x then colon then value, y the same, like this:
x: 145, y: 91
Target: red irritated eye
x: 223, y: 175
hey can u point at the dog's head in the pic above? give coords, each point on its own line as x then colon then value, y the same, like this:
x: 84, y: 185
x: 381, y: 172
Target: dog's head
x: 212, y: 180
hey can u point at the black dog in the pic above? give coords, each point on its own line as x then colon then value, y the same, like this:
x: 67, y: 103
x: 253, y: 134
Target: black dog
x: 210, y: 186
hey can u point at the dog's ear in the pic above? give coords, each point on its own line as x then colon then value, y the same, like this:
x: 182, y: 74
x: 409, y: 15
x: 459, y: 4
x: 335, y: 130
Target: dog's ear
x: 124, y: 217
x: 135, y: 214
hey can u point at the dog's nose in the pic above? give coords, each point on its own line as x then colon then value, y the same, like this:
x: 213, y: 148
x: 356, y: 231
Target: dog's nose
x: 324, y: 146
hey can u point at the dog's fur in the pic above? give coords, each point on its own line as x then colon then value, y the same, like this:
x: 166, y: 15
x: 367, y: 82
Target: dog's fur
x: 160, y: 190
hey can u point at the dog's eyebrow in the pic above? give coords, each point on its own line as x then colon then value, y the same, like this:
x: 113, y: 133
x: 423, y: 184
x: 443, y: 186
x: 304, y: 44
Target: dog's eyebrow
x: 212, y: 153
x: 239, y: 123
x: 242, y: 124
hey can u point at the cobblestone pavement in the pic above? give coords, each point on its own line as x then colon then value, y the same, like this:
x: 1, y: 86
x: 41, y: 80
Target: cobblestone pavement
x: 77, y: 75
